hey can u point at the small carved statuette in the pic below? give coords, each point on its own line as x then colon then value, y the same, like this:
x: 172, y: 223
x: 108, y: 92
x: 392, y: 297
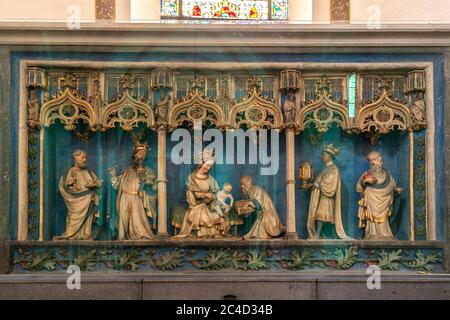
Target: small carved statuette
x: 418, y: 113
x: 290, y: 108
x: 33, y: 109
x: 163, y: 106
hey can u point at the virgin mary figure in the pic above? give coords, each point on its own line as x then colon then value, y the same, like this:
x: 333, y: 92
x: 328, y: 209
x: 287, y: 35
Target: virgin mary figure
x: 201, y: 189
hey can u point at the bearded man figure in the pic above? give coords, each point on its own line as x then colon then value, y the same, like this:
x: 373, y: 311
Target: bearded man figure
x: 377, y: 188
x: 79, y: 187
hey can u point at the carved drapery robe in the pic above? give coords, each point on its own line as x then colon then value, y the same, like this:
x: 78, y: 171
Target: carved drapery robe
x: 268, y: 224
x: 78, y: 189
x: 375, y: 206
x: 134, y: 203
x: 325, y: 203
x: 200, y: 215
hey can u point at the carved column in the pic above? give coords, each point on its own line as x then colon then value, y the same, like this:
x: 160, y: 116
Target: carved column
x: 22, y: 198
x: 411, y: 184
x: 291, y: 232
x: 289, y: 86
x: 162, y: 183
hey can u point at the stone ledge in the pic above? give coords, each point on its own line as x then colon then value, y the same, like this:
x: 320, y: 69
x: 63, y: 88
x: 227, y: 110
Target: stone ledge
x: 214, y: 243
x: 217, y: 286
x: 220, y: 276
x: 227, y: 37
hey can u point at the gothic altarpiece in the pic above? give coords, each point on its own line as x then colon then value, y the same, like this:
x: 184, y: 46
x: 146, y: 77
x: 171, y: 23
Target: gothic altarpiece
x: 100, y: 189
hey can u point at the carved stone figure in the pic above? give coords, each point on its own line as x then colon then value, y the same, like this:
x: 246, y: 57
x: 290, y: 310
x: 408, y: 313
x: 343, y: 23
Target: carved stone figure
x: 33, y: 109
x: 224, y: 204
x: 96, y: 99
x: 268, y: 224
x: 418, y: 110
x: 79, y: 187
x: 135, y: 203
x: 377, y: 188
x: 163, y: 106
x: 290, y: 108
x: 201, y: 216
x: 325, y: 204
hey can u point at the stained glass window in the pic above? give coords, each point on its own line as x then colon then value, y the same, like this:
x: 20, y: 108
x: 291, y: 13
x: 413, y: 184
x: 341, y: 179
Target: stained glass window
x: 351, y: 95
x: 169, y: 8
x: 279, y: 9
x: 225, y: 9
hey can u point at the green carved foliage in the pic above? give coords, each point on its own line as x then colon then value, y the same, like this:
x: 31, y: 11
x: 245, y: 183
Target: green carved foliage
x: 299, y: 260
x: 390, y: 260
x: 167, y: 261
x: 423, y: 262
x: 256, y: 260
x: 127, y: 259
x: 36, y: 260
x: 131, y: 259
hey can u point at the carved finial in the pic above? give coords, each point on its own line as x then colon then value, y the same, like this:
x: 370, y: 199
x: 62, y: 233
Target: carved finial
x: 384, y: 84
x: 68, y: 81
x: 196, y: 84
x: 322, y: 86
x: 96, y: 98
x: 127, y: 83
x: 253, y: 82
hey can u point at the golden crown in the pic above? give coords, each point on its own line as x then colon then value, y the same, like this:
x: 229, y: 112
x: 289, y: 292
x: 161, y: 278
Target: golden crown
x: 141, y: 146
x: 205, y: 155
x: 331, y: 150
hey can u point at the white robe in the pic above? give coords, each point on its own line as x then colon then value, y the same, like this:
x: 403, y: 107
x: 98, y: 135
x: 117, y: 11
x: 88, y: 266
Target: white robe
x: 376, y: 206
x: 200, y: 216
x: 134, y: 205
x: 325, y: 203
x: 81, y: 203
x: 267, y: 224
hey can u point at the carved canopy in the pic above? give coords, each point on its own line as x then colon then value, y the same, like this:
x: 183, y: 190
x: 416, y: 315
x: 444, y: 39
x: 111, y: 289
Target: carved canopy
x: 257, y: 113
x: 383, y: 116
x: 69, y: 109
x: 323, y: 113
x: 196, y: 108
x: 128, y: 113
